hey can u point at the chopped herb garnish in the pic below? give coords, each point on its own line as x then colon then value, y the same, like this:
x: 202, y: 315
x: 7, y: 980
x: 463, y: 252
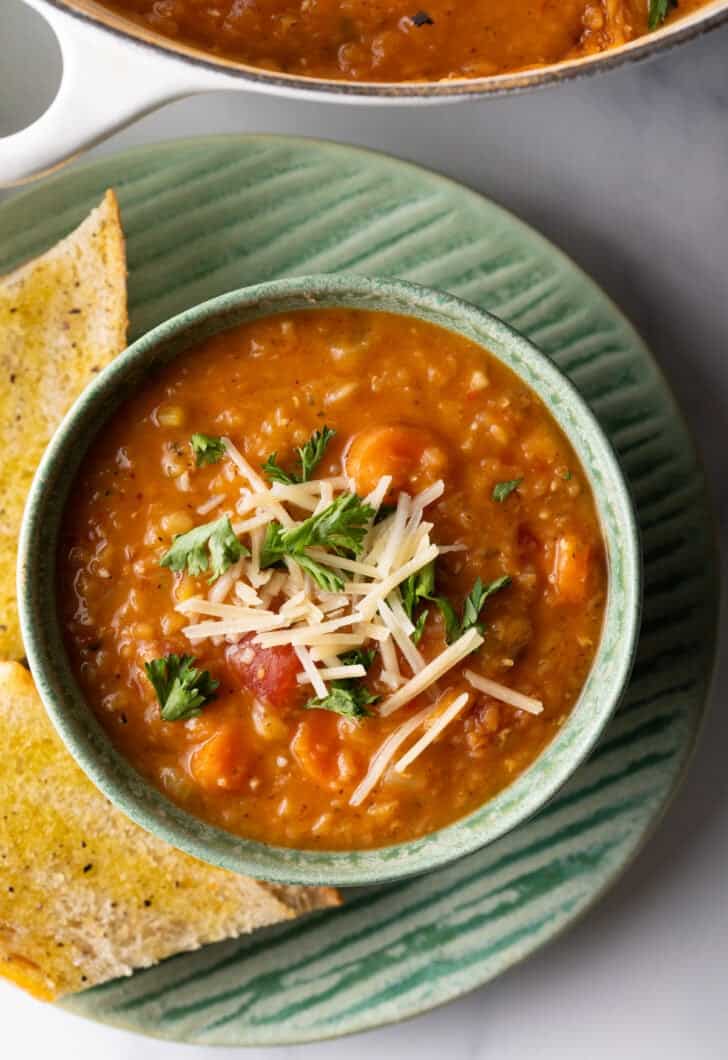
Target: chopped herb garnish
x: 501, y: 490
x: 207, y: 449
x: 475, y: 602
x: 421, y: 586
x: 325, y: 577
x: 340, y: 528
x: 422, y: 19
x: 348, y: 698
x: 277, y: 474
x: 309, y: 457
x: 358, y: 657
x: 312, y: 453
x: 181, y: 689
x: 420, y: 626
x: 213, y: 545
x: 450, y: 618
x: 659, y: 10
x: 566, y: 475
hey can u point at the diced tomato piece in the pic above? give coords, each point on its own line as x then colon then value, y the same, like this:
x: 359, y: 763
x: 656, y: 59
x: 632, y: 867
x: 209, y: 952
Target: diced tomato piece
x: 316, y: 746
x: 269, y: 673
x: 222, y: 763
x: 413, y: 456
x: 571, y: 568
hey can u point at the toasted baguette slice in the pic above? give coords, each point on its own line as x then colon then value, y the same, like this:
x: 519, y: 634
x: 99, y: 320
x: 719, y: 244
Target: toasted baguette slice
x: 63, y: 317
x: 86, y: 895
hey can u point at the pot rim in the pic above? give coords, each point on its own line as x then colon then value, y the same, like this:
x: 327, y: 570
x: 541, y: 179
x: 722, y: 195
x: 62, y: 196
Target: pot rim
x: 647, y: 46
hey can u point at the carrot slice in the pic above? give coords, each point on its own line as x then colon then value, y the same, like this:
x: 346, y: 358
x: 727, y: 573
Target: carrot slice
x: 413, y: 456
x: 222, y: 763
x: 571, y: 568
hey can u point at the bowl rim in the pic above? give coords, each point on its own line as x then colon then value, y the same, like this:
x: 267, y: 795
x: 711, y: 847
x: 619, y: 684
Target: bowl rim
x: 114, y: 775
x: 671, y: 34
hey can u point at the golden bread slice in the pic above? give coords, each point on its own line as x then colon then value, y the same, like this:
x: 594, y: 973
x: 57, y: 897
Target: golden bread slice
x: 85, y: 894
x: 63, y: 317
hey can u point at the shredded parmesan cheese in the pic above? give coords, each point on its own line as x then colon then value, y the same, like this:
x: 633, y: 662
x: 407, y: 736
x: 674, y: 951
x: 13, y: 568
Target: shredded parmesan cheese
x: 433, y: 731
x: 376, y: 497
x: 432, y: 493
x: 382, y: 589
x: 341, y: 563
x: 505, y: 695
x: 386, y: 753
x: 244, y: 467
x: 244, y: 526
x: 247, y: 595
x: 395, y: 535
x: 332, y: 673
x: 402, y: 640
x: 197, y: 605
x: 274, y: 588
x: 391, y: 674
x: 394, y: 600
x: 231, y: 627
x: 303, y: 634
x: 434, y: 670
x: 311, y: 672
x: 286, y: 607
x: 224, y: 584
x: 213, y: 502
x: 256, y: 481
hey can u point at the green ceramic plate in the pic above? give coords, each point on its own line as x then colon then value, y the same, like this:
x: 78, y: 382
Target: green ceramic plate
x: 206, y: 216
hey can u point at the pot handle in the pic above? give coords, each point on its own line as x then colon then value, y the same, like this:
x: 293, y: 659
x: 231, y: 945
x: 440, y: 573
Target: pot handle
x: 108, y: 81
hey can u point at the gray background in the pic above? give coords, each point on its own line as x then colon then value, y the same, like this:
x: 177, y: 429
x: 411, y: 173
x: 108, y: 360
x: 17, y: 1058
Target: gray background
x: 628, y: 173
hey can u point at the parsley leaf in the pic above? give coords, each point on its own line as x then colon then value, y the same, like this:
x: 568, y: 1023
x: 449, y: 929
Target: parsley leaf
x: 277, y: 474
x: 325, y: 577
x: 416, y: 637
x: 340, y: 527
x: 212, y: 544
x: 207, y: 449
x: 475, y: 602
x: 501, y: 490
x: 659, y: 10
x: 358, y: 657
x: 421, y: 586
x: 182, y: 690
x: 313, y: 451
x: 348, y: 698
x: 450, y: 618
x: 309, y: 457
x: 566, y: 475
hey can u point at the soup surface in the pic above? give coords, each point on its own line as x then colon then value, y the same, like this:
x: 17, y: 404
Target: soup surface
x: 332, y: 640
x: 396, y: 40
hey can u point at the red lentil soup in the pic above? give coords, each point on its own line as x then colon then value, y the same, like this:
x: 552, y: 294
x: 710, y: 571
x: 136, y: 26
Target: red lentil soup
x: 397, y: 40
x: 332, y: 640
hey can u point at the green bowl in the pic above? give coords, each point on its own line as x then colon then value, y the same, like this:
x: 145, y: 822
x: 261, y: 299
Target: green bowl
x: 87, y: 741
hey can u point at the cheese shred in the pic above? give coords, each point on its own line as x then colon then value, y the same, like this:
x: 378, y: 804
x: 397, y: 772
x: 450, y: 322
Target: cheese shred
x: 504, y: 694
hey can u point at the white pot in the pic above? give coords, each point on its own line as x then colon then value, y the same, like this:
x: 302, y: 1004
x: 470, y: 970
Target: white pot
x: 115, y: 72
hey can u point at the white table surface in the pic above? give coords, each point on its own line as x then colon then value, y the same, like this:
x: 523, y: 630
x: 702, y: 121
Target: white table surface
x: 628, y: 172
